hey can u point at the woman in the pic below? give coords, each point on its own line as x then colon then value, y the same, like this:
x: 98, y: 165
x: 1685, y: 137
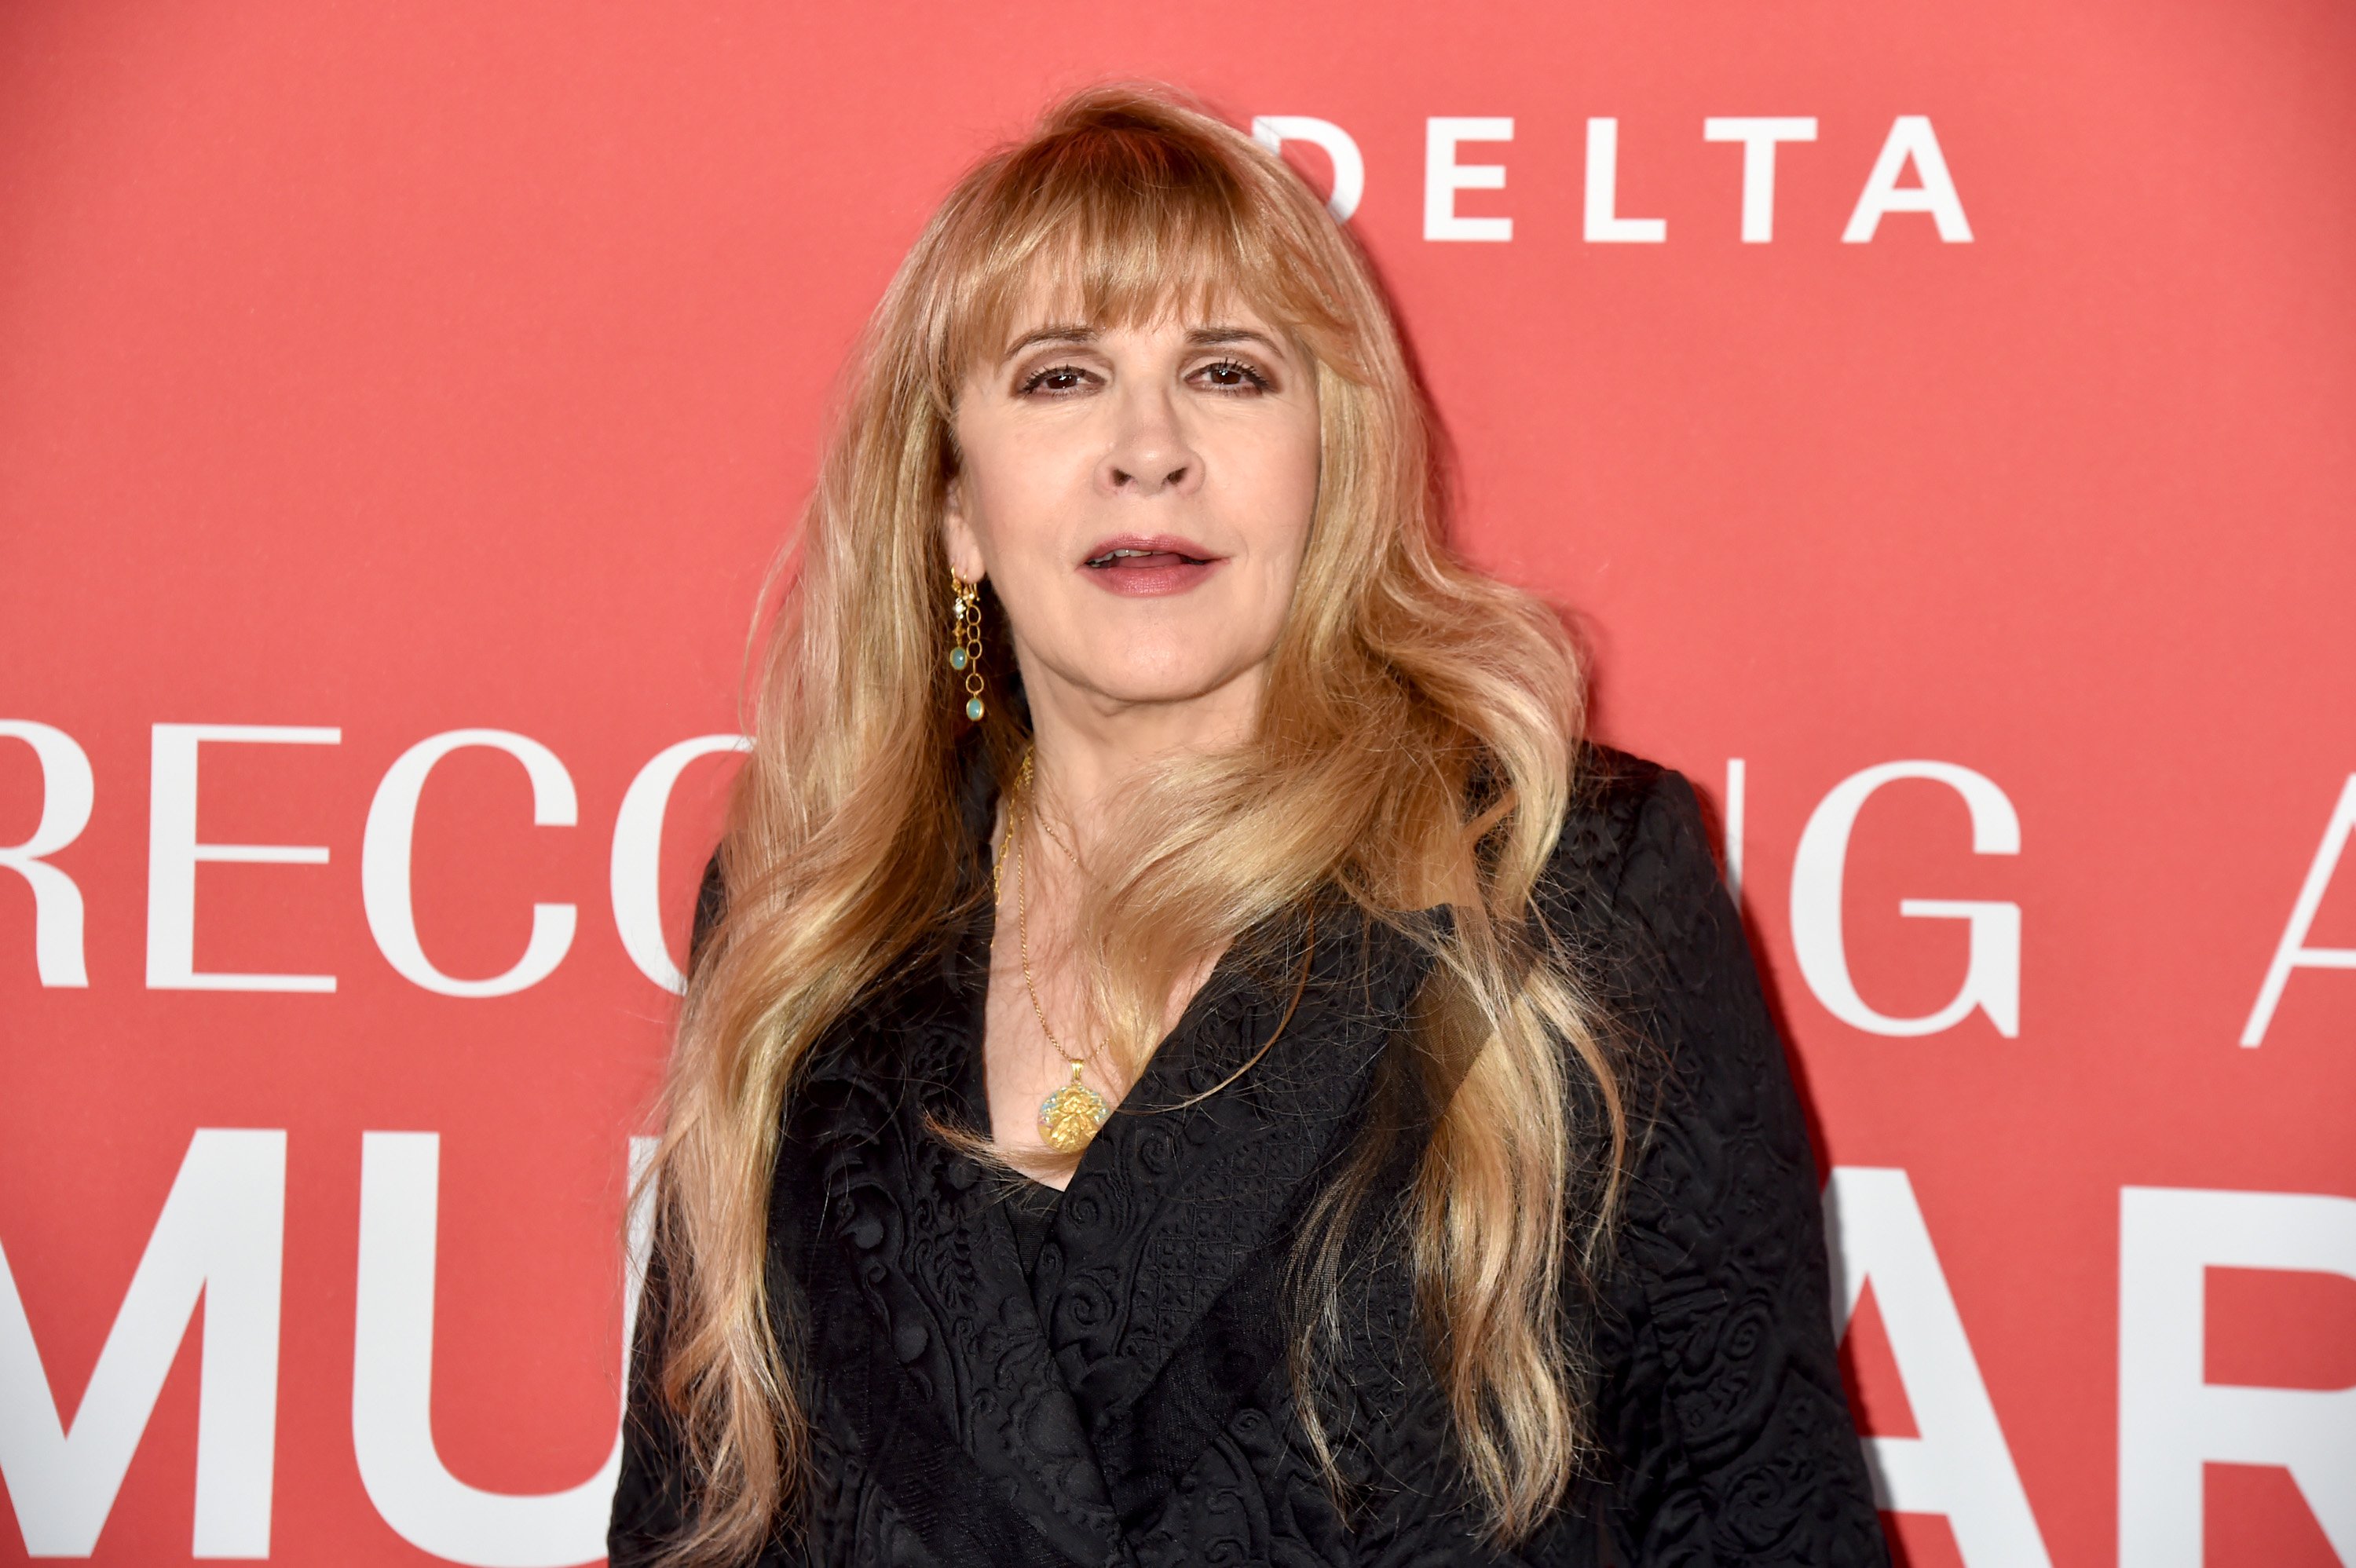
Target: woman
x: 1188, y: 1056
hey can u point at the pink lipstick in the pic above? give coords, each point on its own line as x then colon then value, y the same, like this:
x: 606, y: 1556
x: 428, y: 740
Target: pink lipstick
x: 1146, y: 565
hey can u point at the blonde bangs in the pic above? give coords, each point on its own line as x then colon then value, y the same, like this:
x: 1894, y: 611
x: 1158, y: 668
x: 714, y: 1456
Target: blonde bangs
x: 1103, y: 223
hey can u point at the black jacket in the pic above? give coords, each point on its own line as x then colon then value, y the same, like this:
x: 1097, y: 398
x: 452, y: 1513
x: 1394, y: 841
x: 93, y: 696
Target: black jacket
x: 1129, y: 1402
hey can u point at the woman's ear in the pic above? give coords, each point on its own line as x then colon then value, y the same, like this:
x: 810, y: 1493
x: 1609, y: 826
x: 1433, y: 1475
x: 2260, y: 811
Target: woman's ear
x: 958, y: 537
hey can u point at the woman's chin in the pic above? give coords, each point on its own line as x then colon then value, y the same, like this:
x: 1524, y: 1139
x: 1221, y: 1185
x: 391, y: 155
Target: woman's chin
x: 1176, y: 685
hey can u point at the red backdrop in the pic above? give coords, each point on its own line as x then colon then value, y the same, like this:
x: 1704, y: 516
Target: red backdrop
x: 394, y: 371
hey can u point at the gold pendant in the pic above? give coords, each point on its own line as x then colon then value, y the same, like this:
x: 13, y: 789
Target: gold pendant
x: 1070, y: 1116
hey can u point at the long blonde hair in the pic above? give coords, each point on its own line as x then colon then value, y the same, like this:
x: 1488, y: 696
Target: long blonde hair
x: 1415, y: 746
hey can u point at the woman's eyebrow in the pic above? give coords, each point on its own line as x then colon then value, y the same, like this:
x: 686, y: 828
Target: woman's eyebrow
x: 1196, y: 337
x: 1206, y: 336
x: 1060, y: 334
x: 1212, y: 337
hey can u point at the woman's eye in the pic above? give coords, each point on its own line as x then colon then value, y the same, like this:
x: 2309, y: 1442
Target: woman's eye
x: 1232, y: 376
x: 1056, y: 380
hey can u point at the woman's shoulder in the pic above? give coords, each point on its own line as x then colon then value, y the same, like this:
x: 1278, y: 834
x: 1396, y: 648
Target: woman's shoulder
x: 1721, y: 1396
x: 1633, y: 850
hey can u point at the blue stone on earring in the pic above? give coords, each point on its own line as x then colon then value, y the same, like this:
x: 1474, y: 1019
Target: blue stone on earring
x: 973, y: 709
x: 957, y: 659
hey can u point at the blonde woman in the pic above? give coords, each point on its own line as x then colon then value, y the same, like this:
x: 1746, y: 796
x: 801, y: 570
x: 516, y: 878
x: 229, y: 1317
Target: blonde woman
x: 1189, y: 1056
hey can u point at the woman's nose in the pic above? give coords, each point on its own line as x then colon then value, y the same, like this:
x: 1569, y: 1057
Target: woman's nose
x: 1150, y: 453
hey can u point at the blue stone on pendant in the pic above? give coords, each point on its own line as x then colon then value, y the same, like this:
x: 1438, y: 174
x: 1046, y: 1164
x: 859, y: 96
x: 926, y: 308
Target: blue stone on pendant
x: 957, y: 659
x: 973, y: 709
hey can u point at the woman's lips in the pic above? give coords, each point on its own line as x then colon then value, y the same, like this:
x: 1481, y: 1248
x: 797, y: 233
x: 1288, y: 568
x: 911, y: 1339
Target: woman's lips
x: 1146, y: 567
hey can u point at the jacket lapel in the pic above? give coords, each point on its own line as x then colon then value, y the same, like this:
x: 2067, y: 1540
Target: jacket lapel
x: 1159, y: 1288
x: 922, y: 1332
x: 1032, y: 1422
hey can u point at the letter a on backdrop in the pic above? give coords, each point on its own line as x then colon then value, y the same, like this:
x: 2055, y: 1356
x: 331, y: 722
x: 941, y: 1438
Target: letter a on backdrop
x: 1960, y: 1466
x: 1910, y: 137
x: 2292, y: 951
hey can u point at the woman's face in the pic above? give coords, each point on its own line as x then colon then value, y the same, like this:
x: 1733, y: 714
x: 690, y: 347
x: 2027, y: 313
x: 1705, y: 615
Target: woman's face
x: 1140, y: 498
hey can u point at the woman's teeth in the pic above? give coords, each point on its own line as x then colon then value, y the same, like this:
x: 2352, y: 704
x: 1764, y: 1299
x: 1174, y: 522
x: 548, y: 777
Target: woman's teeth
x: 1150, y: 557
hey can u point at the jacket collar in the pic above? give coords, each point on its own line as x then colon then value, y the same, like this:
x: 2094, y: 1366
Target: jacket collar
x: 1042, y: 1420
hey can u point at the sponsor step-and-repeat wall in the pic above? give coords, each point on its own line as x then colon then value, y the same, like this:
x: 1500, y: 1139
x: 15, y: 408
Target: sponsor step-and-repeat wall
x: 1936, y: 419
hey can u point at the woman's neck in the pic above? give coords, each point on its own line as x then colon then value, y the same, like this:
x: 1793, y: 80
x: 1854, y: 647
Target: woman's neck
x: 1088, y: 747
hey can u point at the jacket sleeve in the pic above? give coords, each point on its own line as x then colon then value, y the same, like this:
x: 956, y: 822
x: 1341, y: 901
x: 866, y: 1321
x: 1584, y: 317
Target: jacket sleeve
x: 651, y: 1500
x: 1721, y: 1401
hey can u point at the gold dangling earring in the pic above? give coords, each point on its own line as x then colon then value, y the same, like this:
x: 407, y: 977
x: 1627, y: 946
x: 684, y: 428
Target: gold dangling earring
x: 964, y: 640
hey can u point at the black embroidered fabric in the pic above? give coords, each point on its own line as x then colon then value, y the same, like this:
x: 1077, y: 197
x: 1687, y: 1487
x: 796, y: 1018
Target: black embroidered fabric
x: 1103, y: 1377
x: 1031, y: 1208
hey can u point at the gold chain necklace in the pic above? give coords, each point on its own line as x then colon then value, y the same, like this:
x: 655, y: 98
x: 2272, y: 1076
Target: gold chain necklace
x: 1070, y: 1116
